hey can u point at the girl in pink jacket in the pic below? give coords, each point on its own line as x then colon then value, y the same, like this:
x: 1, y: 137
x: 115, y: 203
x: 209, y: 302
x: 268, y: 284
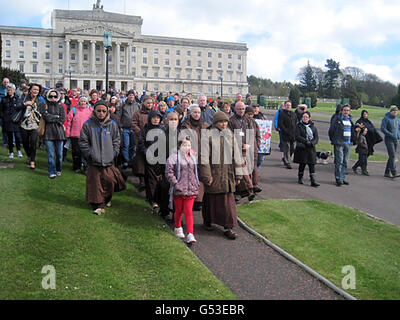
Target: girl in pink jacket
x: 76, y: 118
x: 181, y: 173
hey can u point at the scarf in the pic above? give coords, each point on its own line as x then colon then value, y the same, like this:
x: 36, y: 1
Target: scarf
x: 310, y: 135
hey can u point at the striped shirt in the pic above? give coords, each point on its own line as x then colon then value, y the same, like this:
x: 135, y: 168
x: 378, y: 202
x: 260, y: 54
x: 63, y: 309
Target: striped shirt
x: 347, y: 130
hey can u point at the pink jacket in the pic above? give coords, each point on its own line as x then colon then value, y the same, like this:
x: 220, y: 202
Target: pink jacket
x: 75, y: 122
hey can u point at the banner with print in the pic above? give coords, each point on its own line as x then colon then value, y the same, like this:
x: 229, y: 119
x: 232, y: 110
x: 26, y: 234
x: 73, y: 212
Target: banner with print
x: 265, y: 131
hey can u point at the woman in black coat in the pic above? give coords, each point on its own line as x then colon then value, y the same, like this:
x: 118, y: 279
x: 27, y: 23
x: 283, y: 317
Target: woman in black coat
x: 305, y: 154
x: 373, y: 136
x: 54, y: 134
x: 8, y: 107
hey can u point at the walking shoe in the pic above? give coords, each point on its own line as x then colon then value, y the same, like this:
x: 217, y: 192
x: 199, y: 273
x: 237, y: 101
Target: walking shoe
x: 108, y: 204
x: 251, y: 197
x: 396, y: 175
x: 179, y: 233
x: 345, y: 183
x: 230, y: 234
x: 388, y: 175
x: 354, y: 170
x: 99, y: 211
x: 365, y: 172
x: 338, y: 183
x: 58, y: 173
x: 288, y: 166
x: 19, y: 154
x: 52, y: 176
x: 11, y: 155
x: 190, y: 238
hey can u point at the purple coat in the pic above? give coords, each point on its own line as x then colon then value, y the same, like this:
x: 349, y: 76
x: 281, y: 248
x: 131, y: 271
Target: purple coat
x: 188, y: 184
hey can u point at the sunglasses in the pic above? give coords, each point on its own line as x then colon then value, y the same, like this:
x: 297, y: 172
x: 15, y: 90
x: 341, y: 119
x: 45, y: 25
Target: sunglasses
x: 52, y: 97
x: 102, y: 111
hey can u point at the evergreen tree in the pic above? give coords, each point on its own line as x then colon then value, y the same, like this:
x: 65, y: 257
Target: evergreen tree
x: 308, y: 82
x: 332, y: 77
x: 294, y: 97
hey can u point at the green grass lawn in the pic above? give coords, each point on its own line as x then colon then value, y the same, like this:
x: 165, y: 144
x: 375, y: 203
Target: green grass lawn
x: 126, y: 254
x: 326, y: 146
x: 328, y: 237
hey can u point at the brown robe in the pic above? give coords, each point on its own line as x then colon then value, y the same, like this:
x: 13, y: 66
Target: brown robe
x: 139, y: 120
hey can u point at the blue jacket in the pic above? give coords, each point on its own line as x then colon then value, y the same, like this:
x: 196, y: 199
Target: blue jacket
x: 276, y: 119
x: 390, y: 127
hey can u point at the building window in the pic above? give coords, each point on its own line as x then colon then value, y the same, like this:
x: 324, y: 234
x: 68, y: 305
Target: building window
x: 210, y: 55
x: 60, y: 56
x: 239, y: 66
x: 219, y: 65
x: 209, y: 75
x: 178, y: 52
x: 21, y: 43
x: 155, y: 87
x: 188, y: 63
x: 239, y: 57
x: 155, y: 51
x: 21, y: 55
x: 229, y: 65
x: 230, y: 76
x: 97, y: 47
x: 8, y: 54
x: 167, y: 51
x: 144, y: 73
x: 155, y: 60
x: 189, y: 53
x: 188, y: 75
x: 199, y: 53
x: 85, y: 57
x: 144, y: 60
x: 122, y: 59
x: 47, y: 68
x: 199, y: 76
x: 178, y: 76
x: 34, y: 68
x: 239, y: 76
x: 209, y: 64
x: 8, y: 43
x: 34, y: 55
x: 97, y: 58
x: 21, y: 67
x: 134, y: 59
x: 34, y: 44
x: 229, y: 55
x: 230, y: 90
x: 73, y: 46
x: 60, y: 45
x: 167, y: 74
x: 219, y: 55
x: 73, y: 56
x: 47, y: 44
x: 167, y: 62
x: 85, y: 46
x: 199, y: 64
x: 144, y: 50
x: 60, y: 69
x: 47, y: 84
x: 178, y: 62
x: 133, y: 49
x: 122, y: 49
x: 47, y: 55
x: 134, y: 72
x: 155, y: 74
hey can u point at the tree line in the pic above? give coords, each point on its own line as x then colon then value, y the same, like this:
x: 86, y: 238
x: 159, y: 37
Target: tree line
x: 332, y: 82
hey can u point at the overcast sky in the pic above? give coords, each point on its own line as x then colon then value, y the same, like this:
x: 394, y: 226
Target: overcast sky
x: 281, y: 35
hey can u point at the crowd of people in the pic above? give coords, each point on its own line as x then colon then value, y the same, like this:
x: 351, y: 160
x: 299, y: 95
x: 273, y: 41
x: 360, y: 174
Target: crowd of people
x: 187, y: 155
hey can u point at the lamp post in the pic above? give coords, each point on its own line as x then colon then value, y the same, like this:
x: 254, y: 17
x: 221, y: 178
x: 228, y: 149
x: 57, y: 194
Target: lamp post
x: 70, y: 70
x: 108, y: 46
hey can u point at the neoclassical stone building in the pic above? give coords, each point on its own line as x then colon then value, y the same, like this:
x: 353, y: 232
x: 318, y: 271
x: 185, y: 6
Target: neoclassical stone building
x: 72, y: 53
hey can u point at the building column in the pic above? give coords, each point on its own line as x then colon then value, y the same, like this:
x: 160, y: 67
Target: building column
x: 93, y: 57
x: 128, y: 60
x: 117, y: 54
x: 67, y: 56
x: 80, y: 56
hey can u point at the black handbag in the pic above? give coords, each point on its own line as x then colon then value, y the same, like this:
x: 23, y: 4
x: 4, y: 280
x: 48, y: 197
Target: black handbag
x: 17, y: 115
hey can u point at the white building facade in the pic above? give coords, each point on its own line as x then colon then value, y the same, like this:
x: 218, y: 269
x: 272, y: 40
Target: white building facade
x: 72, y: 53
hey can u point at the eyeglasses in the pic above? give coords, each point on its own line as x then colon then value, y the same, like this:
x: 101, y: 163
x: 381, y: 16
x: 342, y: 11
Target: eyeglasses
x: 52, y: 97
x: 102, y: 111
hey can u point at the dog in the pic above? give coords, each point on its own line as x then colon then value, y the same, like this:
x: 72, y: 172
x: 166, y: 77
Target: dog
x: 322, y: 157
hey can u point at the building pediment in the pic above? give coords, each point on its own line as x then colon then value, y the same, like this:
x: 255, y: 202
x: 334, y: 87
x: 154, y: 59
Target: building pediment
x: 98, y: 29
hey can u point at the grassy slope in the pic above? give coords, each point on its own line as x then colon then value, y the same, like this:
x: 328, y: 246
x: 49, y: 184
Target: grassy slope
x: 328, y: 237
x: 126, y: 254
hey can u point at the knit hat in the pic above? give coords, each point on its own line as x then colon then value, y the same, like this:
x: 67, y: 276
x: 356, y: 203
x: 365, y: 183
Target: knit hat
x: 220, y: 116
x: 101, y: 103
x: 394, y: 108
x: 131, y: 92
x: 170, y: 98
x: 52, y: 91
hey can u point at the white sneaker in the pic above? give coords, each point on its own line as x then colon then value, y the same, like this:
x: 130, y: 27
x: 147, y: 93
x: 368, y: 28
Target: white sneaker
x: 190, y: 238
x: 99, y: 211
x: 108, y: 204
x: 19, y: 153
x: 179, y: 233
x: 11, y: 155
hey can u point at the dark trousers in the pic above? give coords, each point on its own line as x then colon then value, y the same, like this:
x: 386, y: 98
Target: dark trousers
x: 76, y: 154
x: 10, y: 137
x: 362, y: 161
x: 302, y: 167
x: 29, y: 141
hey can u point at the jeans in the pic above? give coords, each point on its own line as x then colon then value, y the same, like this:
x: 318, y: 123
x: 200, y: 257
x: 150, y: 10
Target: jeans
x: 342, y: 155
x: 128, y: 145
x: 362, y: 161
x: 11, y: 135
x: 54, y: 150
x: 260, y: 158
x: 391, y: 146
x: 29, y: 141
